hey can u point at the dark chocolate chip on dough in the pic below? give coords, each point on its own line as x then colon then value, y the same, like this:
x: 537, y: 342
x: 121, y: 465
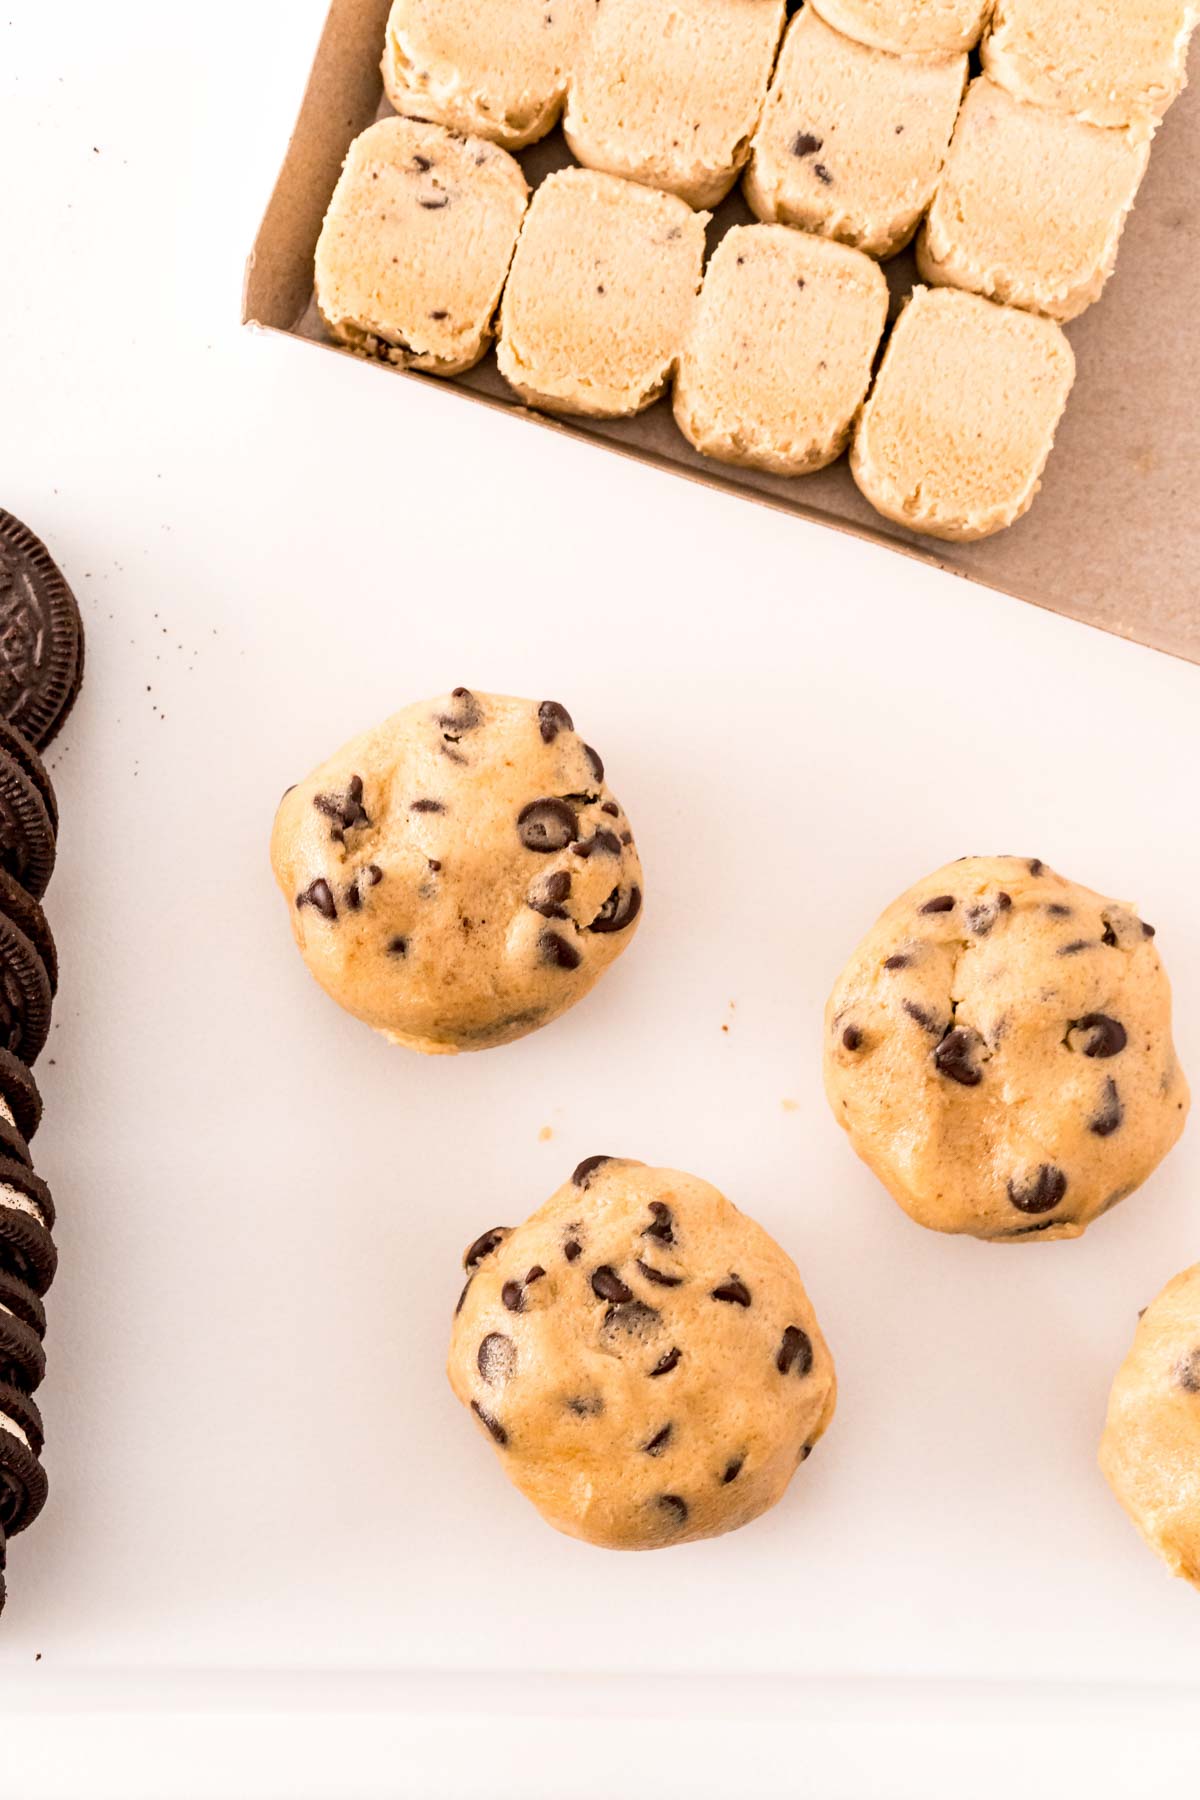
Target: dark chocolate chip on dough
x: 658, y: 1277
x: 547, y: 896
x: 583, y: 1171
x: 484, y: 1244
x: 1099, y: 1035
x: 1039, y: 1192
x: 734, y: 1292
x: 942, y: 903
x: 555, y: 950
x: 617, y: 913
x: 346, y: 812
x: 675, y: 1507
x: 466, y: 714
x: 553, y: 718
x: 805, y: 144
x: 319, y: 895
x: 1187, y: 1371
x: 27, y: 841
x: 666, y: 1363
x: 41, y: 636
x: 594, y: 762
x: 662, y: 1224
x: 956, y: 1057
x: 732, y: 1470
x: 607, y: 1285
x: 496, y: 1358
x: 897, y: 962
x: 852, y: 1038
x: 1111, y: 1113
x: 795, y: 1351
x: 547, y: 826
x: 490, y: 1423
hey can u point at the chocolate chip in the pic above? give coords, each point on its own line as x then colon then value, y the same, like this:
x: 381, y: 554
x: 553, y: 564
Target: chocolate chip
x: 657, y: 1276
x: 925, y: 1020
x: 534, y: 1274
x: 1109, y: 1118
x: 553, y: 718
x: 612, y: 809
x: 618, y: 914
x: 1037, y: 866
x: 468, y: 714
x: 1040, y: 1192
x: 421, y: 162
x: 796, y: 1349
x: 458, y: 1308
x: 1058, y: 911
x: 586, y: 1406
x: 666, y: 1363
x: 554, y: 950
x: 346, y: 810
x: 353, y: 899
x: 547, y: 895
x: 398, y: 946
x: 805, y: 144
x: 943, y: 903
x: 372, y: 875
x: 494, y: 1426
x: 1106, y: 1036
x: 852, y: 1037
x: 594, y: 763
x: 631, y: 1319
x: 658, y: 1442
x: 427, y: 806
x: 822, y: 174
x: 496, y: 1358
x: 1108, y: 936
x: 608, y: 841
x: 1187, y: 1372
x: 955, y: 1057
x: 734, y: 1291
x: 439, y: 314
x: 571, y: 1250
x: 547, y: 826
x: 319, y: 895
x: 1074, y: 947
x: 584, y: 849
x: 434, y: 865
x: 435, y: 205
x: 1004, y: 901
x: 484, y: 1244
x: 677, y: 1507
x: 981, y: 917
x: 1148, y: 930
x: 733, y: 1470
x: 587, y: 1168
x: 663, y: 1227
x: 897, y: 962
x: 513, y: 1296
x: 607, y: 1285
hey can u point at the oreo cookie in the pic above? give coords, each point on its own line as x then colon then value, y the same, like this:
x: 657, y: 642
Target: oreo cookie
x: 27, y: 840
x: 23, y: 1485
x: 20, y: 1094
x: 13, y: 1144
x: 28, y: 917
x: 41, y: 636
x: 26, y: 1221
x: 22, y: 1358
x: 14, y: 743
x: 25, y: 996
x: 18, y: 1298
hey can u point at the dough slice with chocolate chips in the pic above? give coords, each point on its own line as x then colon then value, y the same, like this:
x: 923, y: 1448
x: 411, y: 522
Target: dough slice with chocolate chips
x: 852, y: 140
x: 416, y: 245
x: 643, y: 1357
x: 999, y: 1051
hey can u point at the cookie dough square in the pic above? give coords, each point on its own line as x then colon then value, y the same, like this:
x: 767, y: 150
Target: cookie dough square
x: 416, y: 245
x: 1031, y: 204
x: 600, y: 296
x: 499, y: 71
x: 955, y: 435
x: 668, y: 92
x: 779, y: 355
x: 908, y: 27
x: 1111, y: 62
x: 852, y: 140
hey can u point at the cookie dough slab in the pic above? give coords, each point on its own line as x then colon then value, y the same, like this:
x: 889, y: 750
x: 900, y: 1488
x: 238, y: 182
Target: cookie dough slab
x: 999, y: 1051
x: 908, y: 27
x: 780, y: 350
x: 852, y: 140
x: 1150, y: 1450
x: 642, y: 1357
x: 498, y: 71
x: 1031, y: 204
x: 955, y: 435
x: 1111, y: 62
x: 416, y: 245
x: 668, y: 92
x: 600, y: 295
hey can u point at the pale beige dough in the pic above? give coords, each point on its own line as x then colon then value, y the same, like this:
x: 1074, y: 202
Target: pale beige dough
x: 643, y: 1357
x: 498, y: 71
x: 600, y: 295
x: 955, y: 435
x: 999, y: 1050
x: 779, y: 355
x: 905, y: 27
x: 1111, y: 62
x: 668, y: 92
x: 852, y: 140
x: 1150, y: 1450
x: 461, y: 874
x: 416, y: 245
x: 1031, y: 204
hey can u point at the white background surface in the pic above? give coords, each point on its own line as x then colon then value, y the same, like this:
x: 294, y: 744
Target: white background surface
x: 277, y: 1558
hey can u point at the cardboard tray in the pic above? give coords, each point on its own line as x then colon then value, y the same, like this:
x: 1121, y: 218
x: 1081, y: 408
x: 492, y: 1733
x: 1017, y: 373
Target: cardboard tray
x: 1113, y: 538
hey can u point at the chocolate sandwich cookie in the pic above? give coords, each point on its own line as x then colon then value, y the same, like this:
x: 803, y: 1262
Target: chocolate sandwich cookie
x: 41, y: 636
x: 14, y: 743
x: 19, y: 1094
x: 13, y: 1144
x: 26, y: 1221
x: 19, y: 1299
x: 27, y: 841
x: 25, y: 994
x: 23, y: 1485
x: 28, y: 917
x: 22, y: 1358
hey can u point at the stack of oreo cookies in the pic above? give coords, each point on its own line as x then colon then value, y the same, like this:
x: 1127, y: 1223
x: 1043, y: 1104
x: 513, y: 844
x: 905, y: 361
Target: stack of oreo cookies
x: 41, y: 668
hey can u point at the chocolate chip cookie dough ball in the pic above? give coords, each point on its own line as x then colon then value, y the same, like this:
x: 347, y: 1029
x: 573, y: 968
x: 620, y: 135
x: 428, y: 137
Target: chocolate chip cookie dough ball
x: 643, y: 1357
x: 460, y: 875
x: 999, y: 1051
x: 1150, y: 1451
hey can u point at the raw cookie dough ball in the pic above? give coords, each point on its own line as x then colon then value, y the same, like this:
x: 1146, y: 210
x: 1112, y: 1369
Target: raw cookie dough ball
x: 461, y: 874
x: 643, y: 1356
x: 999, y: 1050
x: 1150, y: 1451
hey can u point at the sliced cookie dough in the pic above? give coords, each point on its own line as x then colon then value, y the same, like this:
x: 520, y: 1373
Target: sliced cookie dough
x: 852, y: 140
x: 643, y: 1357
x: 1112, y: 62
x: 1031, y: 204
x: 999, y: 1051
x: 600, y: 295
x: 416, y: 245
x: 779, y: 354
x: 668, y: 92
x: 1150, y: 1450
x: 908, y: 27
x: 962, y: 416
x: 498, y: 71
x: 461, y: 874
